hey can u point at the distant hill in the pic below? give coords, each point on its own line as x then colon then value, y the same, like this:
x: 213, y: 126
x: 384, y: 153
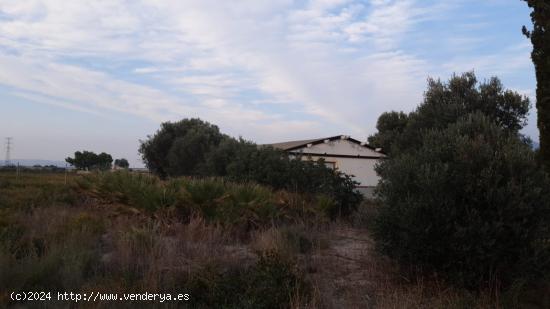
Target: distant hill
x: 32, y: 162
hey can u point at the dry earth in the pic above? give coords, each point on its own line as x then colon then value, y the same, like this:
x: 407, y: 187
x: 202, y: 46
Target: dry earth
x: 349, y: 274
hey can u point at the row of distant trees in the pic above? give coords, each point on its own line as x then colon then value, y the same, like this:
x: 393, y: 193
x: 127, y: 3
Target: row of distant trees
x: 88, y: 160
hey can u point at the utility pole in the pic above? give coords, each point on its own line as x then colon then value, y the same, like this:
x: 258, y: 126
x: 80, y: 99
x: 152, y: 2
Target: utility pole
x: 8, y: 150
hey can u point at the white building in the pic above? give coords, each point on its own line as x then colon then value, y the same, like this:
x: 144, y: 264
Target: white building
x: 343, y: 153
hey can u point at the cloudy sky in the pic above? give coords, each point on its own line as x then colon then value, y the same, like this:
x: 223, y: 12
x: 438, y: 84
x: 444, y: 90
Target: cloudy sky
x: 100, y: 75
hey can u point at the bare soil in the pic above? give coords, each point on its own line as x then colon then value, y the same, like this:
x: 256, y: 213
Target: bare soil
x: 349, y: 273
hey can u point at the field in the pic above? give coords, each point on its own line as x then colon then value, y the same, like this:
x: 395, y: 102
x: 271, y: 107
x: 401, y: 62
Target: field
x: 227, y: 245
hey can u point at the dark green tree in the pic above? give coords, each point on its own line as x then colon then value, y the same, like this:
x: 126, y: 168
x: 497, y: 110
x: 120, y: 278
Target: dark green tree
x: 228, y: 152
x: 461, y: 192
x: 104, y: 161
x: 446, y: 102
x: 122, y: 163
x: 180, y: 148
x: 88, y: 160
x: 470, y: 202
x: 390, y: 125
x: 540, y: 38
x: 82, y: 160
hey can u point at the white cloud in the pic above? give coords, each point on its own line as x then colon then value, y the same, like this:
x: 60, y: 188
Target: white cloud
x: 85, y: 88
x: 258, y: 68
x: 501, y: 63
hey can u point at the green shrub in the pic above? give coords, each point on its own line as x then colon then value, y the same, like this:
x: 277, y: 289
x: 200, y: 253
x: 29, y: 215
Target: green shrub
x: 276, y: 277
x: 273, y: 282
x: 192, y: 147
x: 470, y: 202
x: 247, y: 205
x: 138, y: 190
x: 250, y: 205
x: 203, y: 195
x: 274, y: 168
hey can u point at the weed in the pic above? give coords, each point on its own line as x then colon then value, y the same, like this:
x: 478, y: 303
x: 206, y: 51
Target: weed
x: 273, y: 282
x: 58, y: 254
x: 249, y: 206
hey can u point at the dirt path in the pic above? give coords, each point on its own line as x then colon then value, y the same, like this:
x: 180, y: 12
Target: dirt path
x: 348, y: 275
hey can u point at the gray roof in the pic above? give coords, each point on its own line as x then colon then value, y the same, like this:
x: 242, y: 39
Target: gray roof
x: 294, y: 144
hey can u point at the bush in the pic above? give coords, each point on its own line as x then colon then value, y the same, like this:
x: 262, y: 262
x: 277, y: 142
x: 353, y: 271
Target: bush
x: 247, y: 205
x: 180, y: 148
x: 138, y: 190
x: 470, y: 202
x: 192, y: 147
x: 276, y: 169
x: 273, y: 282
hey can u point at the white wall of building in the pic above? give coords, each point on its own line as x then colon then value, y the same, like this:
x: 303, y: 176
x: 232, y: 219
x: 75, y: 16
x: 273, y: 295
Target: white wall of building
x: 362, y: 169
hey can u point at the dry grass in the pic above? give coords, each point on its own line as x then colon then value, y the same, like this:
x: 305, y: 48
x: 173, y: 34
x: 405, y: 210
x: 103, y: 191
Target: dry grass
x: 87, y: 244
x: 84, y: 244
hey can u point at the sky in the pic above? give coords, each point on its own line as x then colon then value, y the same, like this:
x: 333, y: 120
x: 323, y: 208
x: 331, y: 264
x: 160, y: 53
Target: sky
x: 102, y: 75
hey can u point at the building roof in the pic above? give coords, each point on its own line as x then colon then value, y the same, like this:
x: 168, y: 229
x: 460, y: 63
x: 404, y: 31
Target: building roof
x: 292, y: 145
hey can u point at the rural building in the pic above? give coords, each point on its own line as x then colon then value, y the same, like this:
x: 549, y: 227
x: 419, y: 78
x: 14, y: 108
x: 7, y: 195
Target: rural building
x: 343, y: 153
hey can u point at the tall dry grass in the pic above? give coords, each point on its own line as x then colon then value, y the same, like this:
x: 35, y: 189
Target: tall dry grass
x: 88, y: 244
x: 267, y: 247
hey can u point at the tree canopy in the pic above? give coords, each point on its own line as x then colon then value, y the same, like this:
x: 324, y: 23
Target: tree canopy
x: 461, y: 191
x: 122, y: 163
x: 540, y: 38
x: 390, y: 126
x: 469, y: 202
x: 88, y: 160
x: 180, y: 148
x: 445, y: 103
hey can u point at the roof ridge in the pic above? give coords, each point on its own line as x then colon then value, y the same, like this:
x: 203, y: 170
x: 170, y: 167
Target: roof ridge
x: 289, y: 145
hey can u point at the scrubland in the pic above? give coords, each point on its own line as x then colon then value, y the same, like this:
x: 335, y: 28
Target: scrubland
x: 227, y: 245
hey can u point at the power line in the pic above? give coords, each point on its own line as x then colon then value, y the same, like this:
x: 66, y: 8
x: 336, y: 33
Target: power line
x: 8, y: 150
